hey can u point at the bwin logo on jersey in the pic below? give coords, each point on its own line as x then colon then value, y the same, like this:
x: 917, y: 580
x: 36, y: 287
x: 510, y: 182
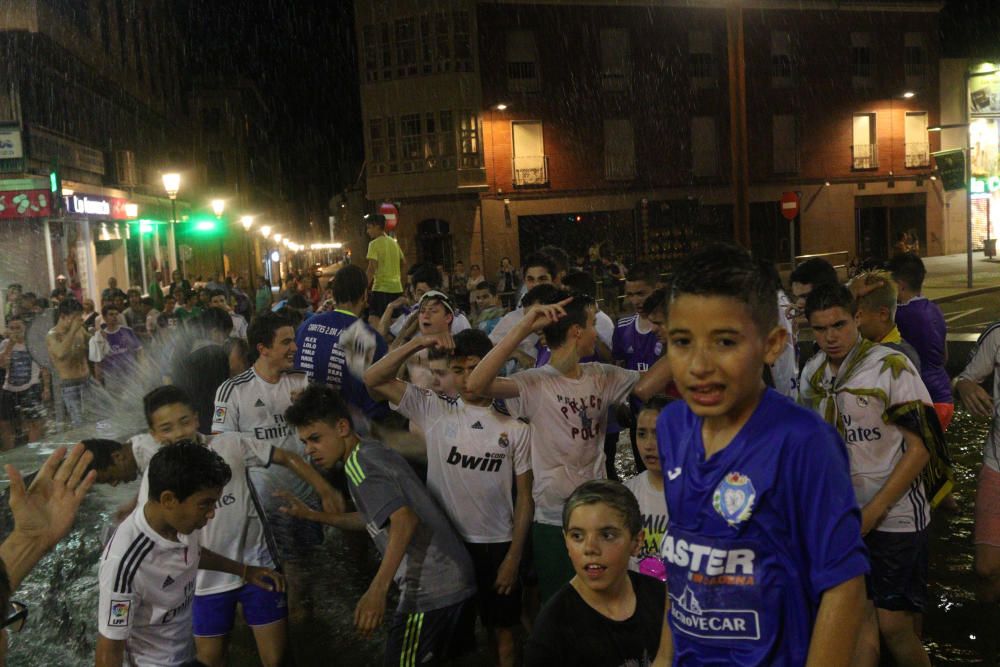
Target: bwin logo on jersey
x: 734, y: 498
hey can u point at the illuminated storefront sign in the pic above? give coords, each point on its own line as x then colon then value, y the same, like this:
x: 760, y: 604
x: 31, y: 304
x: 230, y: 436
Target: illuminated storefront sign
x: 25, y: 204
x: 96, y: 205
x: 985, y: 185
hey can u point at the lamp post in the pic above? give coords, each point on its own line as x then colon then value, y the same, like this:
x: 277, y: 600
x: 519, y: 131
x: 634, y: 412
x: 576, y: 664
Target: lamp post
x: 172, y: 184
x: 247, y: 222
x: 218, y: 208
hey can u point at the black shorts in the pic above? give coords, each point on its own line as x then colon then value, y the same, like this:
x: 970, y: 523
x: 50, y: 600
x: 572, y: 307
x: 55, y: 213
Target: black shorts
x: 26, y: 404
x: 377, y: 301
x: 495, y: 610
x: 898, y: 580
x: 423, y: 638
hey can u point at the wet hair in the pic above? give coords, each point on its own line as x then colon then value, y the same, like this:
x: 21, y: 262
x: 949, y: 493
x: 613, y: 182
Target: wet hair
x: 69, y: 307
x: 642, y: 273
x: 293, y: 315
x: 472, y: 343
x: 216, y: 319
x: 884, y: 294
x: 185, y: 468
x: 487, y: 285
x: 240, y: 343
x: 376, y: 219
x: 656, y: 403
x: 829, y: 296
x: 576, y: 313
x: 908, y: 268
x: 770, y: 273
x: 580, y: 281
x: 107, y: 307
x: 168, y: 394
x: 608, y: 492
x: 212, y: 293
x: 727, y: 270
x: 544, y: 293
x: 542, y: 260
x: 317, y: 403
x: 103, y: 451
x: 815, y: 271
x: 264, y: 328
x: 559, y: 257
x: 134, y: 291
x: 426, y: 273
x: 349, y: 284
x: 657, y: 302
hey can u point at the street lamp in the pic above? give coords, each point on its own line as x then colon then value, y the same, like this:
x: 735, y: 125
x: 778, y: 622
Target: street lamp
x: 172, y: 184
x: 247, y: 222
x: 265, y: 231
x: 277, y: 238
x: 218, y: 206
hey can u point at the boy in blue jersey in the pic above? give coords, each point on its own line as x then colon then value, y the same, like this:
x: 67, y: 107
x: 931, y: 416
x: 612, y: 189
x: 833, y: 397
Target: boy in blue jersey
x: 765, y: 562
x: 321, y: 353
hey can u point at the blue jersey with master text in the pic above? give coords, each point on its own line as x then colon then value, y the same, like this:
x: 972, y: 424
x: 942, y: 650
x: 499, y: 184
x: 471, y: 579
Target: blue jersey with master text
x: 756, y: 534
x: 320, y: 356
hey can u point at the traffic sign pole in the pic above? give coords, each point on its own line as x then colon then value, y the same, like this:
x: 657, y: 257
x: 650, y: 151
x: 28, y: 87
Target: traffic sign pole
x: 790, y: 209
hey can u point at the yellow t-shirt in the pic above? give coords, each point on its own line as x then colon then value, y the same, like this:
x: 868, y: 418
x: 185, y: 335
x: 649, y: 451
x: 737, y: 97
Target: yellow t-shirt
x: 388, y: 254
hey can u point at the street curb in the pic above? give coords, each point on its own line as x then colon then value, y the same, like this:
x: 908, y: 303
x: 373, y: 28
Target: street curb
x: 962, y: 295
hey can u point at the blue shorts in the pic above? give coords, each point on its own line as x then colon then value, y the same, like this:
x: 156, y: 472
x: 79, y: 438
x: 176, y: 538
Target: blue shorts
x: 214, y: 614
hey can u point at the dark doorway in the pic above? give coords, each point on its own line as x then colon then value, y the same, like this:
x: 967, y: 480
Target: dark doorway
x: 881, y: 220
x: 576, y: 233
x: 769, y: 232
x: 434, y: 242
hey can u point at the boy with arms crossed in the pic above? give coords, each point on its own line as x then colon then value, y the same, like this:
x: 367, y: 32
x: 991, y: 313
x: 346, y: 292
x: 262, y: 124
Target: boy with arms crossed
x: 147, y: 572
x: 566, y: 403
x: 474, y: 453
x: 419, y: 548
x: 873, y: 395
x: 763, y: 549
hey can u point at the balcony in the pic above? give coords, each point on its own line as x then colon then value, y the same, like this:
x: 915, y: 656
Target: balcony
x: 864, y: 156
x: 531, y: 171
x: 619, y: 167
x: 522, y: 77
x: 918, y: 155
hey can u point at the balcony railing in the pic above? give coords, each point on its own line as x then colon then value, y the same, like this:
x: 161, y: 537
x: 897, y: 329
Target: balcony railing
x: 531, y: 171
x: 864, y: 156
x: 918, y: 155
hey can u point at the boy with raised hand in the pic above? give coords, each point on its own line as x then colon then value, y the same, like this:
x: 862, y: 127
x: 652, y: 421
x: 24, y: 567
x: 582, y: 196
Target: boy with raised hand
x: 419, y: 548
x: 538, y: 270
x: 475, y: 456
x: 874, y: 397
x: 763, y: 549
x: 148, y: 570
x: 566, y: 403
x: 240, y: 530
x: 875, y: 294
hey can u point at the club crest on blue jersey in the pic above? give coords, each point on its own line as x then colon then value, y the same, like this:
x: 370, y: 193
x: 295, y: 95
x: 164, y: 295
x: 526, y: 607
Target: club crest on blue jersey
x: 734, y: 498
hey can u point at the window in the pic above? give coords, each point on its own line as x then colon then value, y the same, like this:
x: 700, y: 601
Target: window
x: 385, y: 49
x: 782, y: 59
x: 862, y: 59
x: 463, y: 42
x: 616, y: 59
x: 865, y: 143
x: 442, y: 42
x: 915, y: 59
x: 369, y: 39
x: 917, y: 146
x: 785, y: 143
x: 377, y: 146
x: 446, y: 139
x: 704, y: 147
x: 216, y: 168
x: 410, y: 142
x: 426, y: 46
x: 619, y: 150
x: 390, y: 142
x: 522, y: 62
x: 469, y: 139
x: 406, y: 47
x: 701, y: 59
x: 530, y: 167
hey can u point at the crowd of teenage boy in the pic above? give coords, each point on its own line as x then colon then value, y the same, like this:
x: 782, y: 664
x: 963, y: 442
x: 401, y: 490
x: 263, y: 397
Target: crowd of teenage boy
x: 788, y: 449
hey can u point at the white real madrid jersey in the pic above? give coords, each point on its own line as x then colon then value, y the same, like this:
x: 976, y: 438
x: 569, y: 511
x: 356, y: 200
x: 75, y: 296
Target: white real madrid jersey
x: 473, y: 454
x: 147, y: 583
x: 249, y: 404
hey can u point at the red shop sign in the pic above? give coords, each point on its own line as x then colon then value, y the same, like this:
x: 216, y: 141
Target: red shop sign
x: 25, y: 204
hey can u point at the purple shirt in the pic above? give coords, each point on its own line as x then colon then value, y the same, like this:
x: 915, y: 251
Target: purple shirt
x: 124, y: 344
x: 639, y: 351
x: 922, y: 325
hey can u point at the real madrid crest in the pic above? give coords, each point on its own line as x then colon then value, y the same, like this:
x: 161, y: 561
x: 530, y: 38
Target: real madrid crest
x: 734, y: 497
x: 503, y: 440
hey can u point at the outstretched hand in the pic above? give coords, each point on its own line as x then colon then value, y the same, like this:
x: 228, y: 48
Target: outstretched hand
x: 441, y: 341
x: 44, y: 513
x: 542, y: 315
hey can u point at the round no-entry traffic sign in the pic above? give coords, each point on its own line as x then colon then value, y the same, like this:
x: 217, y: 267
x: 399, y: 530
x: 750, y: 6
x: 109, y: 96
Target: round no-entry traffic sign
x: 391, y: 214
x: 789, y: 205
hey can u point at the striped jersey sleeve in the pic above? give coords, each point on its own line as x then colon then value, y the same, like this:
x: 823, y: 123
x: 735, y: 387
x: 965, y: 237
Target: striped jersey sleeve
x: 119, y: 599
x: 226, y: 415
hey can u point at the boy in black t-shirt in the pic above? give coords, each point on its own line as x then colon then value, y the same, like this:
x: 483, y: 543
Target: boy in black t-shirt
x: 605, y: 615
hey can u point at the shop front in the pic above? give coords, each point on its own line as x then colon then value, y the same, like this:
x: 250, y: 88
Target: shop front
x: 31, y: 242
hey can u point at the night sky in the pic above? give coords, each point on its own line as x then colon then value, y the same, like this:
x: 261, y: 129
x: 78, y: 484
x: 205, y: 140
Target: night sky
x: 302, y: 55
